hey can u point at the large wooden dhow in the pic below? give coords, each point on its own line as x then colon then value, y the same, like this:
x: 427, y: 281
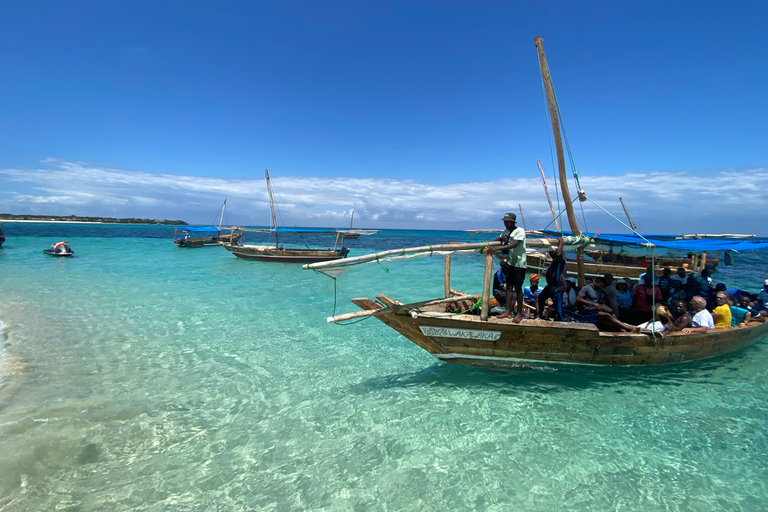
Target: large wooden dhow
x: 487, y: 341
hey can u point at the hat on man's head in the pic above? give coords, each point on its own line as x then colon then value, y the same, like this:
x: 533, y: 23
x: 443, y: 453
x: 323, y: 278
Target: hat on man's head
x: 509, y: 217
x: 534, y: 278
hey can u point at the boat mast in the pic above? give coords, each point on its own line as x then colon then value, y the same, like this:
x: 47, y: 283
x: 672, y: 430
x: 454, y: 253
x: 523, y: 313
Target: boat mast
x: 549, y: 200
x: 352, y: 219
x: 547, y: 79
x: 223, y: 207
x: 272, y: 207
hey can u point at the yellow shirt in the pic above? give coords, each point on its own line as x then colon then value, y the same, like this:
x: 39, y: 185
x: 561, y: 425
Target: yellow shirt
x: 722, y: 316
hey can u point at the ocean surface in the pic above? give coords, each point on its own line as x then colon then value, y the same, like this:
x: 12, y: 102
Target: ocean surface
x: 140, y: 376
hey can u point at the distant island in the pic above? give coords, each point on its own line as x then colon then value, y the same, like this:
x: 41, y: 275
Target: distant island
x: 77, y: 218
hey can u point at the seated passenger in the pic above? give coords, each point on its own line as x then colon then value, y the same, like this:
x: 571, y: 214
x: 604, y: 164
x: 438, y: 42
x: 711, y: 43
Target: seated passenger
x: 608, y: 294
x: 704, y: 280
x: 650, y: 273
x: 531, y: 293
x: 588, y: 298
x: 665, y: 282
x: 761, y: 302
x: 740, y: 315
x: 676, y: 292
x: 702, y: 319
x: 722, y: 312
x: 569, y: 297
x: 680, y: 276
x: 680, y: 317
x: 644, y: 296
x: 623, y: 300
x: 693, y: 289
x: 662, y: 324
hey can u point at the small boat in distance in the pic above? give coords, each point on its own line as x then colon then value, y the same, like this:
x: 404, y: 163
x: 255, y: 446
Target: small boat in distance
x: 354, y: 234
x: 280, y: 253
x: 205, y: 236
x: 59, y: 249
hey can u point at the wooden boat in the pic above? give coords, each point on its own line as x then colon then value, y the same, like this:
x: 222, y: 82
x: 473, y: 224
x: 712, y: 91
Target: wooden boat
x: 354, y: 234
x: 486, y: 341
x: 206, y: 236
x: 280, y: 253
x: 59, y: 249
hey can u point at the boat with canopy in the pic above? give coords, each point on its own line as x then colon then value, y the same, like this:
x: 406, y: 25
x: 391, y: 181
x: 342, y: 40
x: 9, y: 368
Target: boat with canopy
x: 206, y: 236
x: 281, y: 253
x: 458, y: 336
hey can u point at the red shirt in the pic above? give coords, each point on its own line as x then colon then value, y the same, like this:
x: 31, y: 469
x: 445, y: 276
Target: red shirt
x: 643, y: 295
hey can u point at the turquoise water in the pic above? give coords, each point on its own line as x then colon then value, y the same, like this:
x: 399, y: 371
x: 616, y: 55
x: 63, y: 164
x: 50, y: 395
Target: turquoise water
x: 140, y: 376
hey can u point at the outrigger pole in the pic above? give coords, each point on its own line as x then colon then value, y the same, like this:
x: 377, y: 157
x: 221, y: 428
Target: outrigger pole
x: 547, y: 79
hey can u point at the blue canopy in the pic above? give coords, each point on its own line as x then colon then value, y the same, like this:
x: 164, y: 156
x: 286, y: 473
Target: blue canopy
x: 703, y: 245
x: 201, y: 229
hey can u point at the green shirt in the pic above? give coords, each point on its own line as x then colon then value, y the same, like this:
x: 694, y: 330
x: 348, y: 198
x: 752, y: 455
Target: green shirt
x: 516, y: 256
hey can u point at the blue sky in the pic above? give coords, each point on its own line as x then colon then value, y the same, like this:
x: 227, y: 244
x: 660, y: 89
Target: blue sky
x: 416, y: 114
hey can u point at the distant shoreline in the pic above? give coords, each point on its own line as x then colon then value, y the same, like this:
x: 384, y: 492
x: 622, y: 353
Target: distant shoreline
x: 86, y: 222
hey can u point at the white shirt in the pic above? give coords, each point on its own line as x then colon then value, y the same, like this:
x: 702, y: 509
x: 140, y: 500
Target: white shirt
x: 703, y: 319
x: 652, y: 326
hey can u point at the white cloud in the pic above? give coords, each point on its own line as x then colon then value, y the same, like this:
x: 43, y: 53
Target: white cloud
x: 659, y: 202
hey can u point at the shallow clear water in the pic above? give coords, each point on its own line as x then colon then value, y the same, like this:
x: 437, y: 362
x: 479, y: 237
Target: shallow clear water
x: 140, y: 376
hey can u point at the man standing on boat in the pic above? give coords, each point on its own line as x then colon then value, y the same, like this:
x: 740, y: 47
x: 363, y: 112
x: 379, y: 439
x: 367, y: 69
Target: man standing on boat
x: 513, y: 246
x: 556, y: 283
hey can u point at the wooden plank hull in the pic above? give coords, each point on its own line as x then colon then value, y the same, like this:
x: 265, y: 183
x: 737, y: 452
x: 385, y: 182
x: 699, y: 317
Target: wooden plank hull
x: 271, y: 253
x: 501, y: 344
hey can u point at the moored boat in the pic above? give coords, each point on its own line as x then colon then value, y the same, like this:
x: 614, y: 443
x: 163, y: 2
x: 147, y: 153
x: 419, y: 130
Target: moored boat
x: 203, y: 236
x: 206, y: 236
x: 282, y: 253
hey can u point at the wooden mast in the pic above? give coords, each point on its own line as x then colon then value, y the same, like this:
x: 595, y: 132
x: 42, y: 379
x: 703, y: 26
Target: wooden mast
x: 549, y: 200
x: 631, y: 224
x: 545, y: 76
x: 272, y: 207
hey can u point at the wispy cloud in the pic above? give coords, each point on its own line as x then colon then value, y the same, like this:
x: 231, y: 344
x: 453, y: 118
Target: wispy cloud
x: 704, y: 201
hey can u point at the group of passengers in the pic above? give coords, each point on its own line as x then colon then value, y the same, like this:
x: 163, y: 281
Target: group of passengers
x: 666, y: 303
x: 679, y: 302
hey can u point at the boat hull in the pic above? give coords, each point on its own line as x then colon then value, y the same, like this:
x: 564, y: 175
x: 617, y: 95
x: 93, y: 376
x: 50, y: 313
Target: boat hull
x: 501, y: 344
x: 208, y: 241
x: 270, y: 253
